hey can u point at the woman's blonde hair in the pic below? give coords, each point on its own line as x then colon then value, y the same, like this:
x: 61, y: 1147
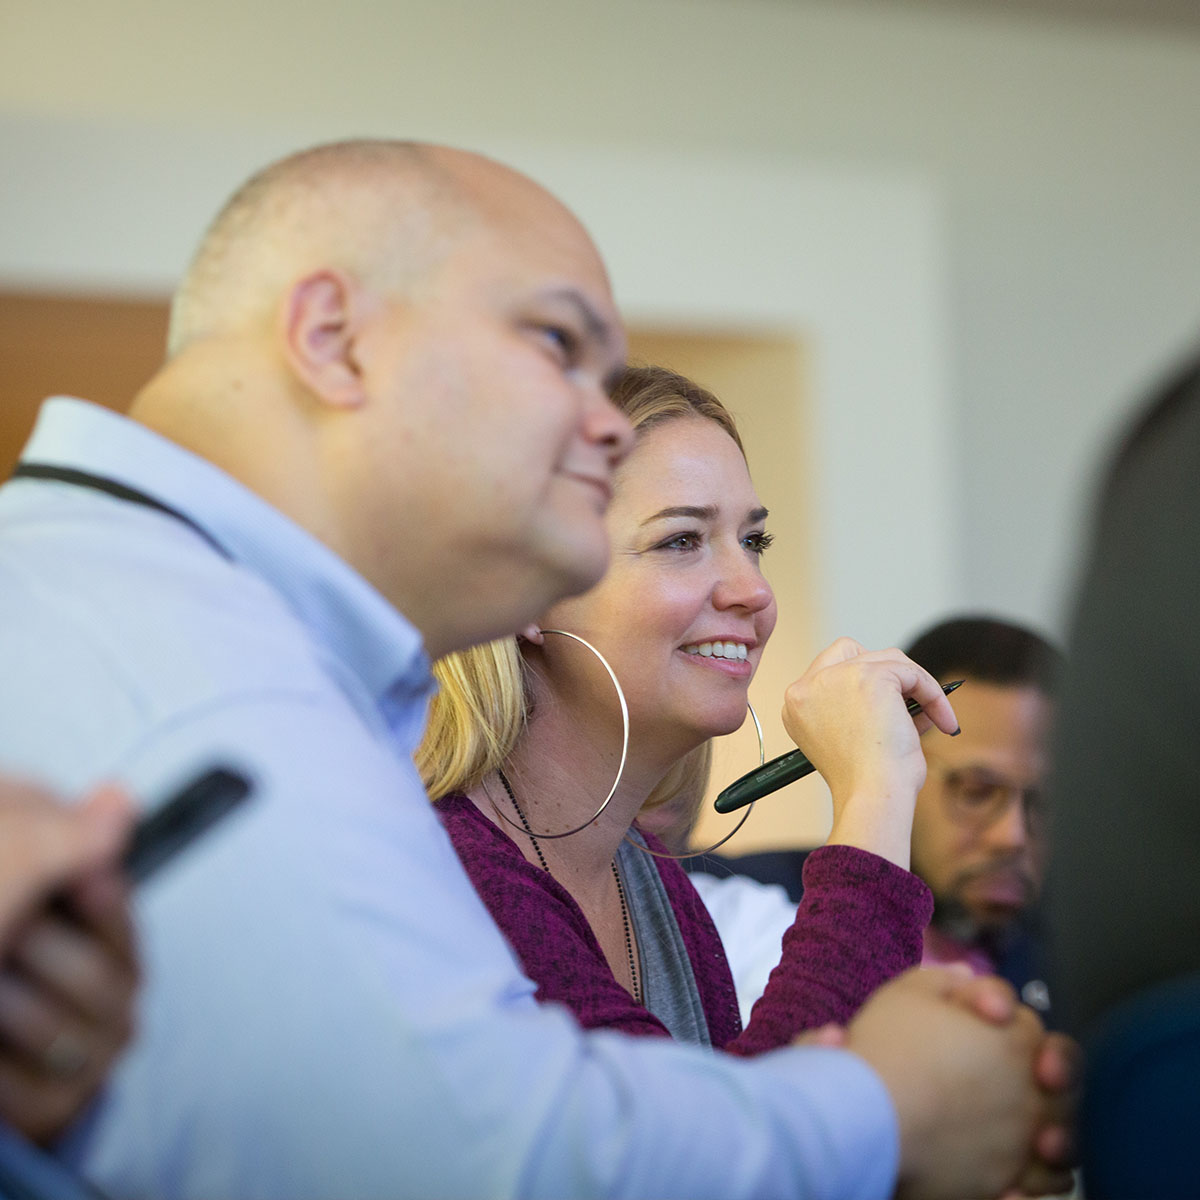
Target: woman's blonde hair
x: 482, y: 705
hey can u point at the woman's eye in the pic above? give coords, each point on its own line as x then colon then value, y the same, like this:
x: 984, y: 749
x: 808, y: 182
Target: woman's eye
x: 758, y: 543
x: 681, y: 541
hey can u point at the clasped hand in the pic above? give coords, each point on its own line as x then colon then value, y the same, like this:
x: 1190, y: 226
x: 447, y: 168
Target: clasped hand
x: 985, y: 1098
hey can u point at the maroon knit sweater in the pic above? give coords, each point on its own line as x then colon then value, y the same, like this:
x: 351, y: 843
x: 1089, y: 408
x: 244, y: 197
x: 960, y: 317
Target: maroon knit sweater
x: 859, y: 924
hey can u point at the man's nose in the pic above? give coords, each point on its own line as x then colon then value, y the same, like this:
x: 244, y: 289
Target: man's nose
x: 1010, y: 829
x: 607, y: 426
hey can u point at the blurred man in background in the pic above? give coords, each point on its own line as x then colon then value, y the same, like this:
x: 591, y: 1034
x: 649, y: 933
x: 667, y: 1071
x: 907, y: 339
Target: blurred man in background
x: 979, y: 830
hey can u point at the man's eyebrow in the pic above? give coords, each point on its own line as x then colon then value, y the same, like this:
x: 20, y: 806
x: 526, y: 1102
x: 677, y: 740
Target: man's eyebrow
x: 971, y: 764
x: 596, y: 327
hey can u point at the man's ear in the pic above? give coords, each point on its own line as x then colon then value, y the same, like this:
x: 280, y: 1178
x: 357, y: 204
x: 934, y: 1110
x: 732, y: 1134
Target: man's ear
x: 321, y: 320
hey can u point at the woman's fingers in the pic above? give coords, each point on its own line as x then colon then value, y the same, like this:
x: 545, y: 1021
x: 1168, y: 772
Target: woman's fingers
x: 849, y: 714
x: 861, y: 694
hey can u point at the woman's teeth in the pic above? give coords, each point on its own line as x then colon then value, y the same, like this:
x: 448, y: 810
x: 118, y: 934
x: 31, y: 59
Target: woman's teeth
x: 735, y: 650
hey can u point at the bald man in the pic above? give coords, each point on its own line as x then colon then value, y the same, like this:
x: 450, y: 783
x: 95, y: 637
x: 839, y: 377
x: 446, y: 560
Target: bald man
x: 382, y: 432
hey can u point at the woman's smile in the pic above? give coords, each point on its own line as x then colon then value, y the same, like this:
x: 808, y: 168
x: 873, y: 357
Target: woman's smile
x: 729, y: 656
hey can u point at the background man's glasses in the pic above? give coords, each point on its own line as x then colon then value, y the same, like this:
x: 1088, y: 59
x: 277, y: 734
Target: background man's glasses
x: 976, y: 798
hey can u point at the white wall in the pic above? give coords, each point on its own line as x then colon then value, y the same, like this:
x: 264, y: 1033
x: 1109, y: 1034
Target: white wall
x: 1055, y: 172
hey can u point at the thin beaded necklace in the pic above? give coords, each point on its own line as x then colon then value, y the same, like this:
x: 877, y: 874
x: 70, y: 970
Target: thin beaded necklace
x: 633, y: 971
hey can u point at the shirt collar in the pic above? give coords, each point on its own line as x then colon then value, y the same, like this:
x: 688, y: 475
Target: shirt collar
x: 342, y: 609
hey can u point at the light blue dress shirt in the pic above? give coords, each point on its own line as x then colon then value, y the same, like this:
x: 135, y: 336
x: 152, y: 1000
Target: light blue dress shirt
x: 28, y: 1174
x: 328, y: 1010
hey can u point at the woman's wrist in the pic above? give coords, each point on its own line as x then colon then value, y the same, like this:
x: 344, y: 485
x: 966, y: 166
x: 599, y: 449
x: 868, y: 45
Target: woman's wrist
x: 876, y: 822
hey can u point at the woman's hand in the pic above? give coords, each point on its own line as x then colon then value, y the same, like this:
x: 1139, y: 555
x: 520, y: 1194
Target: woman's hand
x: 847, y: 713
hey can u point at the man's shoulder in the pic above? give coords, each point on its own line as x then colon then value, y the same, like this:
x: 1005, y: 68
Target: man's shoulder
x: 158, y: 615
x: 115, y: 625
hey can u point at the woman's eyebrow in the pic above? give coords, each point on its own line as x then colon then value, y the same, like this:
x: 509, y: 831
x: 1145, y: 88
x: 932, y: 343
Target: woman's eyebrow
x: 707, y: 512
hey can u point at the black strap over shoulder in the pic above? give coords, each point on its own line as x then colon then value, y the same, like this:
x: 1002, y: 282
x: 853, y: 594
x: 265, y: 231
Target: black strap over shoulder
x: 111, y: 487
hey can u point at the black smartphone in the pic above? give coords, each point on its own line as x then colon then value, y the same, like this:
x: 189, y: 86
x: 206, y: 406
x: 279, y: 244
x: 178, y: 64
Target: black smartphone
x: 177, y: 822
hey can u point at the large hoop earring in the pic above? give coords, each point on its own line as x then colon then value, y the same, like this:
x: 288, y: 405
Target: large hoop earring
x: 612, y: 791
x: 762, y: 758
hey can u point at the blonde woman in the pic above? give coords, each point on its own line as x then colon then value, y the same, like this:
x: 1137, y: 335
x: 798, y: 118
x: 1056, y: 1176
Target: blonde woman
x: 527, y: 737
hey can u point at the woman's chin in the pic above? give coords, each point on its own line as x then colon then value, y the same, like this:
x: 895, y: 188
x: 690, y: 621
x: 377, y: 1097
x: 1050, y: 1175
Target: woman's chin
x: 687, y: 731
x: 724, y: 723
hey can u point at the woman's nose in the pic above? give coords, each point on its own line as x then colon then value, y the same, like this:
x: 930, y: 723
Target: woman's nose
x: 742, y: 585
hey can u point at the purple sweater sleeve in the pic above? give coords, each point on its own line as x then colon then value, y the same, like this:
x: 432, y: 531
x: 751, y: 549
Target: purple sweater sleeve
x: 860, y: 923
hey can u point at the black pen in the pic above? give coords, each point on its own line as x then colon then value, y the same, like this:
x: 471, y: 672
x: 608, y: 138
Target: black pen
x: 785, y: 769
